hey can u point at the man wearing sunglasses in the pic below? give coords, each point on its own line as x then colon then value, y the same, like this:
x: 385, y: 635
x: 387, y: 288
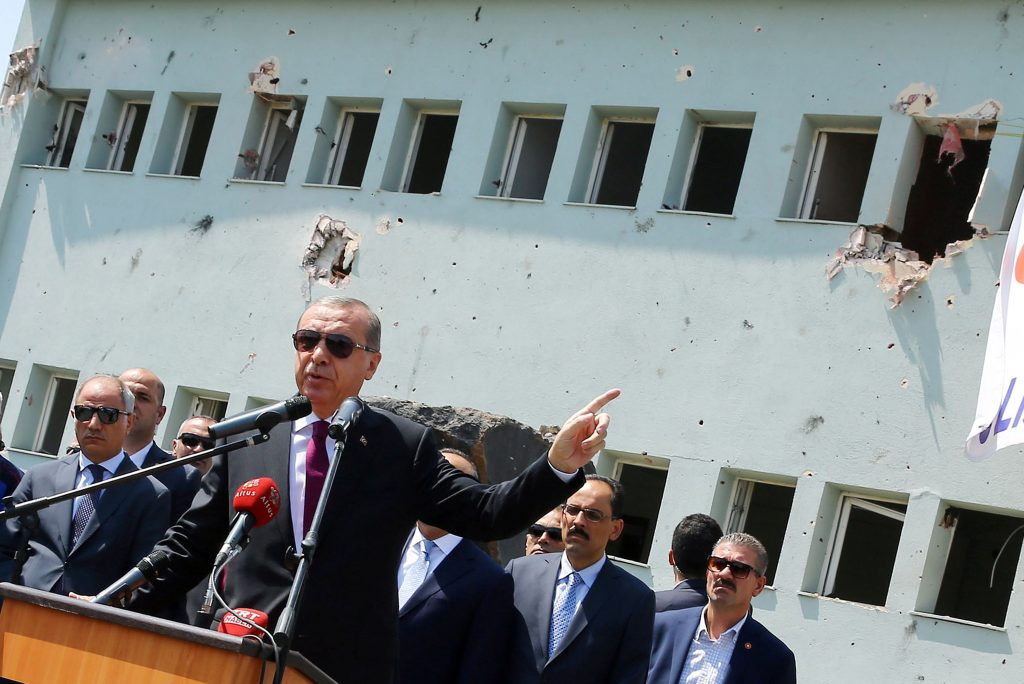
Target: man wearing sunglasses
x: 721, y: 643
x: 580, y: 618
x: 83, y: 544
x: 193, y: 437
x: 183, y: 483
x: 390, y: 476
x: 545, y: 535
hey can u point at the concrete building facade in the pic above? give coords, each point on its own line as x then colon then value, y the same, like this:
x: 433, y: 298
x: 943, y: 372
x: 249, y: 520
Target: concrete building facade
x: 729, y: 210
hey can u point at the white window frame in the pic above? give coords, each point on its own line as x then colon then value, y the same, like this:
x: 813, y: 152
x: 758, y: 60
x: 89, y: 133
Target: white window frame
x: 510, y: 167
x: 269, y: 135
x: 181, y: 150
x: 414, y: 147
x: 846, y: 503
x: 46, y: 413
x: 604, y: 144
x: 813, y: 173
x: 196, y: 406
x: 342, y: 137
x: 698, y: 140
x: 125, y: 127
x: 67, y: 113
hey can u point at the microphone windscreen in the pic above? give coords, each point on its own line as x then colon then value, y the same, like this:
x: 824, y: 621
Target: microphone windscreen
x: 235, y: 627
x: 260, y: 497
x: 298, y: 407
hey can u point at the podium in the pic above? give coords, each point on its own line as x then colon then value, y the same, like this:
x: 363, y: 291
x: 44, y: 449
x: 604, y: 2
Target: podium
x: 51, y: 638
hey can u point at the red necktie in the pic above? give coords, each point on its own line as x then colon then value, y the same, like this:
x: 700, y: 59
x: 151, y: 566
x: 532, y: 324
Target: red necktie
x: 316, y: 471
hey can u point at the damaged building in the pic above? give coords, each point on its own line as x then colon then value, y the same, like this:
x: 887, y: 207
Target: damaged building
x: 776, y: 226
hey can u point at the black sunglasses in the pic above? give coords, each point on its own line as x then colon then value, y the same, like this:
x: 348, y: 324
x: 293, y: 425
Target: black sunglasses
x: 339, y: 345
x: 739, y: 570
x: 192, y: 441
x: 108, y: 415
x: 539, y: 531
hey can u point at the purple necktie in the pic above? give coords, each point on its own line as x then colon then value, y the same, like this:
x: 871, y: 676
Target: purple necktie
x: 316, y: 471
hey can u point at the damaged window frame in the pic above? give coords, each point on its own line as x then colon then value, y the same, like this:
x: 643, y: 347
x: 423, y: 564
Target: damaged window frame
x: 275, y: 119
x: 128, y: 126
x: 414, y: 148
x: 54, y: 417
x: 71, y: 109
x: 207, y: 405
x: 183, y: 148
x: 847, y: 502
x: 605, y: 142
x: 510, y: 168
x: 812, y: 179
x: 739, y: 513
x: 341, y: 142
x: 691, y: 168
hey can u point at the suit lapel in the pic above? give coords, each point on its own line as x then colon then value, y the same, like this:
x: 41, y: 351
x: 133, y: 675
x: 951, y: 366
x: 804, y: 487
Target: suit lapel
x: 536, y: 605
x: 595, y: 600
x: 744, y: 653
x: 64, y: 481
x: 682, y: 639
x: 110, y: 501
x: 454, y: 566
x: 273, y: 460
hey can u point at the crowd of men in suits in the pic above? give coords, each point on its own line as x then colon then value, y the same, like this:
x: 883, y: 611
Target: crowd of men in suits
x: 400, y: 590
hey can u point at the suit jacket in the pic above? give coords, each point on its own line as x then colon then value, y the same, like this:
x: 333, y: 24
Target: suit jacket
x: 689, y: 593
x: 760, y: 656
x: 390, y: 475
x: 128, y: 521
x: 455, y: 628
x: 608, y: 640
x: 183, y: 482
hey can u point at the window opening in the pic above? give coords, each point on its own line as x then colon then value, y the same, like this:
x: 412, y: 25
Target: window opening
x: 129, y: 136
x: 531, y: 153
x: 837, y: 176
x: 65, y: 133
x: 863, y: 553
x: 944, y: 193
x: 60, y: 393
x: 428, y: 157
x: 351, y: 148
x: 644, y: 490
x: 278, y: 143
x: 195, y: 138
x: 716, y: 168
x: 208, y: 406
x: 6, y: 380
x: 620, y: 163
x: 762, y: 510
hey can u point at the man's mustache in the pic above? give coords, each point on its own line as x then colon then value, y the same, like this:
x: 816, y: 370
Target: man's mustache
x: 580, y: 531
x: 725, y: 583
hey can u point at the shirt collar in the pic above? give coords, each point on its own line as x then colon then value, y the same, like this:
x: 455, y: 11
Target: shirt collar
x: 110, y: 465
x: 139, y: 456
x: 703, y: 626
x: 589, y: 573
x: 446, y: 542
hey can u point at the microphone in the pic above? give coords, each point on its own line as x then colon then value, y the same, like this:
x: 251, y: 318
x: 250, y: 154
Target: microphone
x: 235, y: 627
x: 263, y: 418
x: 256, y: 503
x: 144, y: 572
x: 347, y: 416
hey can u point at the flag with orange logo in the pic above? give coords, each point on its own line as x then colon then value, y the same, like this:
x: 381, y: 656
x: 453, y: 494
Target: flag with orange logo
x: 1001, y: 398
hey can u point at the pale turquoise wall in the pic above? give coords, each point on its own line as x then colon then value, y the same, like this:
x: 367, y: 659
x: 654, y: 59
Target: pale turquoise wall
x: 527, y: 309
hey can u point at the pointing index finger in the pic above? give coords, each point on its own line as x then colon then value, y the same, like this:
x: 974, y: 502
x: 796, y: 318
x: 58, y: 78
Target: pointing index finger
x: 599, y: 402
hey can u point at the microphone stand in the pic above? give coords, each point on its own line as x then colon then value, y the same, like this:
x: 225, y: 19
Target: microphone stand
x: 284, y: 631
x: 31, y: 506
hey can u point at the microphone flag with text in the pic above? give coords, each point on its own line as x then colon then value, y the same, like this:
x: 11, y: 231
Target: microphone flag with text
x: 262, y: 418
x: 256, y: 503
x: 235, y: 623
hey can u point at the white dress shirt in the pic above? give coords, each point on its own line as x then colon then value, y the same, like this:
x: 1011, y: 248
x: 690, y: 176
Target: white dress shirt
x: 707, y: 661
x: 587, y: 574
x: 85, y: 477
x: 302, y: 432
x: 139, y: 456
x: 445, y: 545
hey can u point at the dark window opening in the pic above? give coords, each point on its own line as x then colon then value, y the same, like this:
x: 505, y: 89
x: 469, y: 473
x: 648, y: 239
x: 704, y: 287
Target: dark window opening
x: 533, y: 151
x: 838, y: 176
x: 352, y: 148
x: 130, y: 137
x: 864, y: 551
x: 715, y: 178
x: 942, y: 197
x: 6, y: 380
x: 62, y: 395
x: 762, y: 510
x: 978, y: 539
x: 195, y: 139
x: 278, y: 144
x: 644, y: 489
x: 430, y: 156
x: 65, y: 134
x: 623, y: 158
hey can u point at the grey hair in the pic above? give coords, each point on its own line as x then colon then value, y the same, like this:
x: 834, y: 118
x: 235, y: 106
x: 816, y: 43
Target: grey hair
x: 127, y: 398
x: 338, y: 302
x: 750, y: 542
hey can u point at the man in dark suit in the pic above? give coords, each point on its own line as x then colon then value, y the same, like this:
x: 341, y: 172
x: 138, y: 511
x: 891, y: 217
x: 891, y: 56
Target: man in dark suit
x: 692, y: 542
x: 579, y: 618
x: 182, y: 482
x: 83, y: 544
x: 721, y: 643
x: 390, y: 476
x: 454, y: 623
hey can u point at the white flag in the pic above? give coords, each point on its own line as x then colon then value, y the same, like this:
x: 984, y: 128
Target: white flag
x: 998, y: 422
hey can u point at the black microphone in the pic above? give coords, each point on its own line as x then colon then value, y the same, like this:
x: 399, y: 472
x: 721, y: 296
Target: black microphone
x: 263, y: 418
x: 144, y: 572
x: 347, y: 416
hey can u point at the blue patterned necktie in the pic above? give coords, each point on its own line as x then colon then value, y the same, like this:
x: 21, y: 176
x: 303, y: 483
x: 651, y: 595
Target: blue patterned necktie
x: 86, y: 504
x: 416, y: 573
x: 562, y: 611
